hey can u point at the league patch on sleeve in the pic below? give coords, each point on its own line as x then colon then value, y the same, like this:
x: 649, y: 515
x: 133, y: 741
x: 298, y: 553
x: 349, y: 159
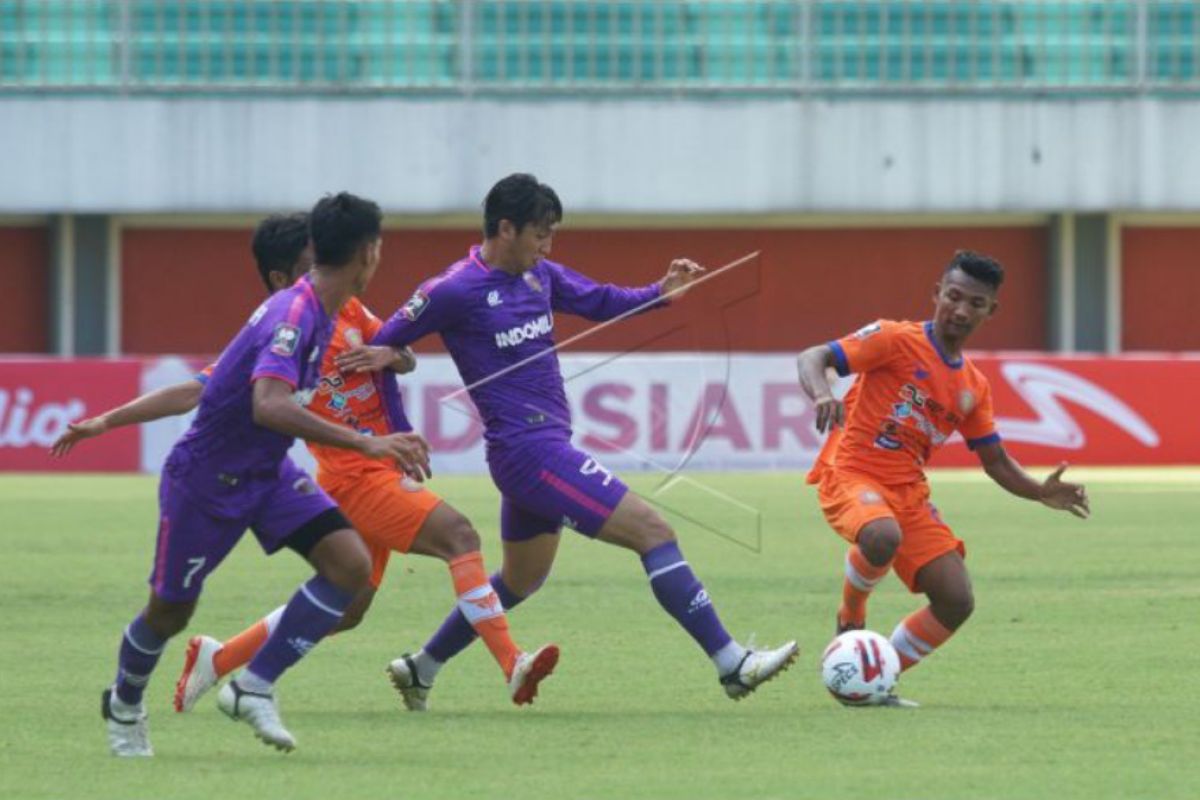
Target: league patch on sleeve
x: 867, y: 331
x: 285, y: 339
x: 415, y: 306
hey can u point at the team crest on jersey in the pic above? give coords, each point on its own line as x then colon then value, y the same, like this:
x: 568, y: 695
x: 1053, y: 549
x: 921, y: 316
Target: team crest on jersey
x: 867, y: 331
x: 532, y: 282
x: 966, y: 401
x: 493, y: 298
x: 415, y: 306
x: 353, y: 337
x: 285, y: 339
x: 870, y: 498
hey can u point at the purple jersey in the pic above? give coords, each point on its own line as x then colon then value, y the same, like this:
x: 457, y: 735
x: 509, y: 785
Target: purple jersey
x: 491, y: 321
x: 225, y: 457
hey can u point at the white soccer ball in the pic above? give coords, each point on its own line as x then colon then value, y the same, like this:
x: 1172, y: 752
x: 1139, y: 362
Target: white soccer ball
x: 860, y: 668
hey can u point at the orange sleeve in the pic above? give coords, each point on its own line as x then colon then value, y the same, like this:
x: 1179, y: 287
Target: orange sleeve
x: 370, y: 324
x: 867, y: 348
x: 979, y: 427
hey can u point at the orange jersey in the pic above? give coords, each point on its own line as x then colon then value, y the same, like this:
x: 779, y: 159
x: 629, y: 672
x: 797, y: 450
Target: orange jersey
x: 906, y: 402
x: 353, y: 399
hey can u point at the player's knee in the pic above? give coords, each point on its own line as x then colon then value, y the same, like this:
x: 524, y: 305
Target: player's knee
x: 167, y: 619
x: 954, y: 608
x: 349, y: 569
x: 879, y: 542
x: 460, y: 538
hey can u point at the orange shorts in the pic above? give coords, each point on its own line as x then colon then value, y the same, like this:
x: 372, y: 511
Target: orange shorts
x: 851, y: 500
x: 387, y: 509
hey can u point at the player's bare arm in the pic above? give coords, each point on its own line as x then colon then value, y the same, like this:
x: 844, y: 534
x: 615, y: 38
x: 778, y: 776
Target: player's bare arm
x: 1053, y: 492
x: 274, y: 408
x: 814, y: 365
x: 681, y: 274
x: 373, y: 358
x: 169, y: 401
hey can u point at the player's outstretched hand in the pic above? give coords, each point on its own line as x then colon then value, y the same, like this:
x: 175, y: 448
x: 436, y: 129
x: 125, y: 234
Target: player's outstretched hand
x: 367, y: 358
x: 1057, y: 493
x: 408, y: 450
x: 76, y: 433
x: 680, y: 274
x: 831, y: 413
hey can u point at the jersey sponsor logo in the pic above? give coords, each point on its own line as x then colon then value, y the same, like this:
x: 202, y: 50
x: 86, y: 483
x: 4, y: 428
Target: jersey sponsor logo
x: 493, y: 298
x: 520, y: 334
x: 285, y: 339
x: 867, y: 331
x: 966, y: 401
x: 870, y: 498
x: 592, y: 467
x: 415, y: 306
x: 532, y: 282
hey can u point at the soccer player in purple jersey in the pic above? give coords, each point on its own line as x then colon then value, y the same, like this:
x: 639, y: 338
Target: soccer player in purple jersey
x: 231, y: 472
x: 495, y: 312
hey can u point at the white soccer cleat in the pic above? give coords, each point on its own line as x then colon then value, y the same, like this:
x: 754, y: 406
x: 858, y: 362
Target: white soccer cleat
x: 404, y: 676
x: 757, y: 667
x: 892, y: 701
x: 127, y: 736
x: 199, y: 674
x: 529, y: 671
x: 259, y: 712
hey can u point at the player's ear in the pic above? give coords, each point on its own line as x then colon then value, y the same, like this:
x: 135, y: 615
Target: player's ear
x: 995, y: 306
x: 507, y: 230
x: 279, y: 280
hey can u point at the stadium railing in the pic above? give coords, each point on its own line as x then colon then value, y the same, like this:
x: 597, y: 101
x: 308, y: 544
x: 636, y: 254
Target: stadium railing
x: 596, y: 46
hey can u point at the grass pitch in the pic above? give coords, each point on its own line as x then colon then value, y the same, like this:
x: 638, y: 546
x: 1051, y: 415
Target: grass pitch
x: 1072, y: 680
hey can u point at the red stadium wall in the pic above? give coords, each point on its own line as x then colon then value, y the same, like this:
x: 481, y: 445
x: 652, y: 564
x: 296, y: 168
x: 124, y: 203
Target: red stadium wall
x: 187, y: 291
x: 24, y: 303
x: 1160, y: 288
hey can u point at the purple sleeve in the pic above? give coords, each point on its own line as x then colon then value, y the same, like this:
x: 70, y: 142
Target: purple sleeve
x: 435, y: 306
x: 279, y: 355
x: 576, y: 294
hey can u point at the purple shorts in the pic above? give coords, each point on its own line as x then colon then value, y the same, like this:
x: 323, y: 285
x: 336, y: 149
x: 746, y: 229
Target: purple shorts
x: 193, y: 540
x: 545, y: 485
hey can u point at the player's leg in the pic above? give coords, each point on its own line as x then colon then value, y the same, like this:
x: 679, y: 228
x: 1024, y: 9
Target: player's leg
x: 946, y: 583
x: 859, y: 512
x: 298, y: 515
x: 636, y: 526
x: 530, y: 544
x: 189, y: 545
x: 868, y: 561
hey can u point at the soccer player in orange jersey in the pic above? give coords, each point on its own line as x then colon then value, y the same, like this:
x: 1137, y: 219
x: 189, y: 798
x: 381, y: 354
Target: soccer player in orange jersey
x: 390, y: 511
x: 914, y: 389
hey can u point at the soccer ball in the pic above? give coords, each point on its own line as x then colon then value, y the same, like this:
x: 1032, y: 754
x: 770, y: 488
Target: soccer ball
x: 860, y: 668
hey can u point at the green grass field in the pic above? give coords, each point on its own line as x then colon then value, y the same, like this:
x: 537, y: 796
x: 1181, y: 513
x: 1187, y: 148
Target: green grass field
x: 1072, y: 680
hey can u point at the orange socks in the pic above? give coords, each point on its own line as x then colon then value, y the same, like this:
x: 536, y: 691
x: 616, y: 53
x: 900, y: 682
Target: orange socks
x: 481, y: 606
x: 238, y: 651
x: 861, y: 577
x: 918, y: 635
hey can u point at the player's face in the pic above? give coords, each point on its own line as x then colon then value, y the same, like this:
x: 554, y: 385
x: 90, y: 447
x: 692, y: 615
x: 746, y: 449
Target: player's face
x: 533, y: 244
x: 371, y: 257
x: 961, y: 304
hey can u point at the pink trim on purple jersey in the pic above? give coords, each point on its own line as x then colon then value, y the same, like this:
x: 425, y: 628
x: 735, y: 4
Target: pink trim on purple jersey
x: 268, y: 374
x: 577, y: 496
x: 160, y: 568
x: 478, y: 259
x: 298, y: 301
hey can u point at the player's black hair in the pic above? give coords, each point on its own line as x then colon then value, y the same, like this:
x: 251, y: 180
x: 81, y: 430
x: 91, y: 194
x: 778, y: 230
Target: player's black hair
x: 982, y: 268
x: 521, y: 200
x: 341, y: 223
x: 278, y: 242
